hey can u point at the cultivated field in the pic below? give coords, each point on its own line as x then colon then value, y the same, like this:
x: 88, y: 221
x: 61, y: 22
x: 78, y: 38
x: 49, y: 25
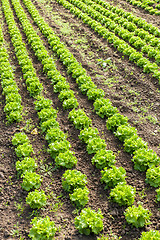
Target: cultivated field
x: 80, y: 80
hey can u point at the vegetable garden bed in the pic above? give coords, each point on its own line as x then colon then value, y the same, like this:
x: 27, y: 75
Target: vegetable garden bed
x: 89, y: 111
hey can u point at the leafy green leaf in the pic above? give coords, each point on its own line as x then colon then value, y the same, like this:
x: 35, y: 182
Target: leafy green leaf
x: 73, y: 179
x: 66, y: 159
x: 89, y: 221
x: 31, y: 180
x: 103, y: 158
x: 123, y: 194
x: 24, y: 150
x: 42, y: 229
x: 27, y: 164
x: 36, y: 199
x: 112, y: 176
x: 57, y: 147
x: 19, y: 138
x: 79, y: 197
x: 153, y: 176
x: 137, y: 216
x: 145, y: 158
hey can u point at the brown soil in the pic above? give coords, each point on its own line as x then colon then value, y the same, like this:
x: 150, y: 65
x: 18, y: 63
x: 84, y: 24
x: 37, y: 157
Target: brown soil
x: 134, y: 93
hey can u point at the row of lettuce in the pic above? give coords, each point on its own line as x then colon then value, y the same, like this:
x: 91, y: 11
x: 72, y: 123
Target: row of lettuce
x: 143, y: 157
x: 150, y: 6
x: 26, y: 164
x: 140, y: 40
x: 73, y: 116
x: 120, y: 44
x: 76, y: 119
x: 31, y: 182
x: 13, y: 107
x: 130, y: 19
x: 69, y: 57
x: 73, y: 181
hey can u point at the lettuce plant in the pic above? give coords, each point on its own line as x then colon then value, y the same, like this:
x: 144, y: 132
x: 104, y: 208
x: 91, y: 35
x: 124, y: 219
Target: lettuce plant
x: 150, y: 235
x: 36, y: 199
x: 152, y: 52
x: 142, y: 62
x: 156, y: 74
x: 41, y: 54
x: 94, y: 93
x: 24, y: 150
x: 134, y: 57
x: 106, y: 110
x: 19, y: 139
x: 158, y: 58
x: 67, y: 58
x: 7, y: 74
x: 79, y: 197
x: 65, y: 94
x: 42, y: 103
x: 79, y: 119
x: 137, y: 216
x: 9, y: 89
x: 124, y: 132
x: 59, y: 48
x: 115, y: 121
x: 89, y: 221
x: 30, y: 79
x: 95, y: 144
x: 134, y: 143
x: 27, y: 164
x: 86, y: 86
x: 88, y: 133
x: 50, y: 123
x: 73, y: 66
x: 46, y: 114
x: 70, y: 103
x: 76, y: 69
x: 14, y: 116
x: 12, y: 106
x: 112, y: 176
x: 144, y: 159
x: 60, y: 86
x: 8, y: 82
x: 103, y: 158
x: 25, y: 67
x: 31, y: 180
x: 55, y: 134
x: 35, y: 88
x: 82, y: 79
x: 99, y: 103
x: 42, y: 229
x: 47, y: 67
x: 66, y: 159
x: 123, y: 194
x: 30, y: 76
x: 57, y: 147
x: 75, y: 114
x: 73, y: 179
x: 150, y: 67
x: 56, y: 77
x: 158, y: 194
x: 153, y: 176
x: 13, y: 97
